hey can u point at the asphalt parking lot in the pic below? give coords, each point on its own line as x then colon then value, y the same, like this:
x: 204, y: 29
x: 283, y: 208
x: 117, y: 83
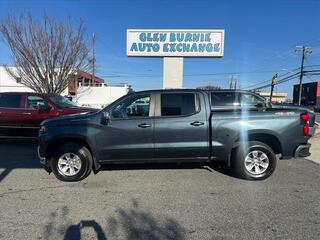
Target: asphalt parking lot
x: 156, y: 202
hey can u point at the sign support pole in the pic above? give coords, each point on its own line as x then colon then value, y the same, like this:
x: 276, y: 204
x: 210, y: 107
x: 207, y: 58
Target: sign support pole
x: 172, y: 72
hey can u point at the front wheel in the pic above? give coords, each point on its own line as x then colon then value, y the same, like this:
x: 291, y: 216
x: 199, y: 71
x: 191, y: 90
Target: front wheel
x: 254, y: 160
x: 71, y: 162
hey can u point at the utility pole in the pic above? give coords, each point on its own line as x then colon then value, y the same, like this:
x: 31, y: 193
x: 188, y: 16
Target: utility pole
x: 273, y: 83
x: 233, y: 83
x: 93, y: 57
x: 304, y: 50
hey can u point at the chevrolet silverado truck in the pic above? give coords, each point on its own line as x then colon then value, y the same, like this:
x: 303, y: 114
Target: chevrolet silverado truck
x: 22, y: 112
x: 238, y: 128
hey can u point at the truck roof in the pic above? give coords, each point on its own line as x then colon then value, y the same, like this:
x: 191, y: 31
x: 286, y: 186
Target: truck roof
x: 33, y: 93
x: 191, y: 90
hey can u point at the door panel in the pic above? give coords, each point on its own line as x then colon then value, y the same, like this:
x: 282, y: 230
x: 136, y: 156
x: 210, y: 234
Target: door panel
x: 182, y: 136
x: 124, y: 139
x: 128, y: 135
x: 11, y: 115
x: 33, y: 117
x: 11, y: 121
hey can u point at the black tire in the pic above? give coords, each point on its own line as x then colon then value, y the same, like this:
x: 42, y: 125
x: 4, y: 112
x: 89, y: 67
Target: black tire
x: 239, y: 163
x: 81, y: 152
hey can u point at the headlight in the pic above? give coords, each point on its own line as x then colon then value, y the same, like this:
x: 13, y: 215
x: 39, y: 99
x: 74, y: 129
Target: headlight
x: 43, y: 129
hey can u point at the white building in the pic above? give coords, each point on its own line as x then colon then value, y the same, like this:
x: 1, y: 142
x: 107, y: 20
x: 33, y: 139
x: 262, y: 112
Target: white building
x: 87, y: 92
x: 278, y: 97
x: 100, y: 96
x: 9, y: 84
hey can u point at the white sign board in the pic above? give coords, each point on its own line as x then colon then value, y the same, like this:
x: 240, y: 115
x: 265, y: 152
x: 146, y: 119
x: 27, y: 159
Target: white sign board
x: 175, y: 43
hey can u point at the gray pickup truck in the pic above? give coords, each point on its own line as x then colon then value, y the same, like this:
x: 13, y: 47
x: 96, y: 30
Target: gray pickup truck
x: 238, y: 128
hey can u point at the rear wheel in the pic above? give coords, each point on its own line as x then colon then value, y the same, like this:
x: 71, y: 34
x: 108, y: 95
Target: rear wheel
x: 256, y: 161
x: 71, y: 162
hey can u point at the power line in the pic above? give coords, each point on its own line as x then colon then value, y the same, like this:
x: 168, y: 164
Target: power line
x: 288, y: 78
x: 131, y: 75
x: 310, y: 72
x: 257, y: 84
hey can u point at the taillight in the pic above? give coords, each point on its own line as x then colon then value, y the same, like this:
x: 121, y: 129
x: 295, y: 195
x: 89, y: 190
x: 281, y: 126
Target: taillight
x: 305, y: 118
x: 306, y: 130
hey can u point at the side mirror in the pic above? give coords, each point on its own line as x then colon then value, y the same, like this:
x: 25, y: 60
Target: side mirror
x: 261, y: 105
x: 105, y: 118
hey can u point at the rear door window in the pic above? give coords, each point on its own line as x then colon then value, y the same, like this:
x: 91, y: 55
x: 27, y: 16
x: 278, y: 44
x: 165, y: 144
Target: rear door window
x: 10, y: 100
x: 177, y: 104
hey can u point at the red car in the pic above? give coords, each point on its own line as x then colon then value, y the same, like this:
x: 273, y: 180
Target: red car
x: 22, y: 112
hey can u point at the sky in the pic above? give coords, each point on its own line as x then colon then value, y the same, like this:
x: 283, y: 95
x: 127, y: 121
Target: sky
x: 260, y: 37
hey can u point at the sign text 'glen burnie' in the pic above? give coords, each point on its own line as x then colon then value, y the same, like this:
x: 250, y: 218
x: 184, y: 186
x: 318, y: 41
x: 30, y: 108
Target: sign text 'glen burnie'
x: 175, y: 42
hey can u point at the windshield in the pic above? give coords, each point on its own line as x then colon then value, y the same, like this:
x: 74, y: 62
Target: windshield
x: 62, y: 102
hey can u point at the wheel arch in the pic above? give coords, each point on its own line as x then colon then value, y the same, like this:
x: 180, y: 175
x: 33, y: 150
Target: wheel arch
x: 239, y: 156
x: 267, y: 138
x: 78, y: 140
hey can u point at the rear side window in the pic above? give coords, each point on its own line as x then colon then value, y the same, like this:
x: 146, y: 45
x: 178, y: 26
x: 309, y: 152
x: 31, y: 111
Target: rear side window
x: 247, y: 99
x: 10, y: 100
x: 177, y: 104
x: 223, y: 99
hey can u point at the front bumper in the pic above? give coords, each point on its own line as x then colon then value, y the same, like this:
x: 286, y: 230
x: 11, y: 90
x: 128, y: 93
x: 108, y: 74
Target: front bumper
x: 302, y: 151
x: 44, y: 161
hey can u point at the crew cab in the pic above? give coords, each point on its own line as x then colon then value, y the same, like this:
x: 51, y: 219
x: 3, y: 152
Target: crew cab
x: 238, y: 128
x: 22, y: 112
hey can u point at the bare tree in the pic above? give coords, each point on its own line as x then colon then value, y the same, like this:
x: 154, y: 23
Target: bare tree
x: 45, y: 54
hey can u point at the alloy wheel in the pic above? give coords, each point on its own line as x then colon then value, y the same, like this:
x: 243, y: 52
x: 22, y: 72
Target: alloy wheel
x: 69, y: 164
x: 256, y: 162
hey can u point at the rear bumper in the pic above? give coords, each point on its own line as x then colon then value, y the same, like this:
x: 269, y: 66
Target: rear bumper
x: 302, y: 151
x: 312, y: 130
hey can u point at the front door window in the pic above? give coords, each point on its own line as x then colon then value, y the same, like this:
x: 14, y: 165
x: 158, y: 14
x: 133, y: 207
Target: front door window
x: 33, y: 102
x: 137, y: 106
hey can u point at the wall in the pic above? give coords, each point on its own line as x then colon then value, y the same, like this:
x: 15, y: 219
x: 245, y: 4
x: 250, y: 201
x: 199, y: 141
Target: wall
x: 308, y: 93
x: 100, y: 96
x: 276, y: 97
x: 86, y: 96
x: 9, y: 84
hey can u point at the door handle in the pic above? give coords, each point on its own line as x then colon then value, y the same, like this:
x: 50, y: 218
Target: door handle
x: 26, y: 113
x: 144, y: 125
x: 196, y: 123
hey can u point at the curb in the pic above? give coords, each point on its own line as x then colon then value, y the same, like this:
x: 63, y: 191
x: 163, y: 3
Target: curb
x: 317, y: 128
